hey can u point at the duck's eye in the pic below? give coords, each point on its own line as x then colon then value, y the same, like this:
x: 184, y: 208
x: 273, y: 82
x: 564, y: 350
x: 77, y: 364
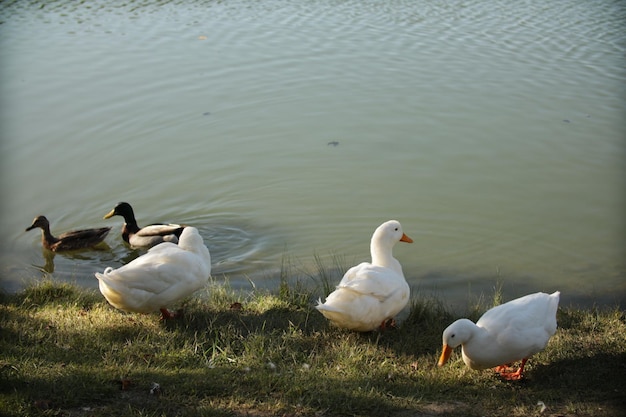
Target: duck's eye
x: 396, y: 229
x: 452, y: 336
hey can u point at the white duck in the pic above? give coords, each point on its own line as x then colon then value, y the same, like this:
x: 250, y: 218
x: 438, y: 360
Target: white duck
x: 165, y: 274
x: 505, y: 334
x: 370, y: 294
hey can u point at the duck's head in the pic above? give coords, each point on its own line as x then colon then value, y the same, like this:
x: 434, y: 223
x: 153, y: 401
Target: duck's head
x: 122, y: 209
x: 39, y: 221
x: 391, y: 233
x: 455, y: 335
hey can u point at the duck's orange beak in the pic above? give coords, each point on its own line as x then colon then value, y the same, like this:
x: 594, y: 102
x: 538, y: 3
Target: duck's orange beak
x: 445, y: 355
x: 406, y: 239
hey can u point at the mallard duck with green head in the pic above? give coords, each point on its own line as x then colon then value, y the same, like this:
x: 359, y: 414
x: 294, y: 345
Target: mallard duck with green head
x: 144, y: 237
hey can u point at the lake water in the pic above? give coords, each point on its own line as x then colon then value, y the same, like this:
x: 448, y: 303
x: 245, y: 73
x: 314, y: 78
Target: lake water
x: 289, y: 130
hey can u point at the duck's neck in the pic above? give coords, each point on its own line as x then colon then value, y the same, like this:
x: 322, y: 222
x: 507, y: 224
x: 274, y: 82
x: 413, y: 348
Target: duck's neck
x: 130, y: 226
x: 46, y: 236
x: 382, y: 256
x: 478, y: 348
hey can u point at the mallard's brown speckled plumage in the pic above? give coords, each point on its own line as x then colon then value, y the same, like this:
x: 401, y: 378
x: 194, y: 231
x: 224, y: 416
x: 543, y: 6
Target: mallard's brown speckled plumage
x: 73, y: 240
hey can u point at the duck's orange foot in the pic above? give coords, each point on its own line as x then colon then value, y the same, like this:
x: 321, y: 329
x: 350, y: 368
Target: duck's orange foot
x: 509, y: 374
x: 505, y: 369
x: 512, y: 376
x: 166, y: 314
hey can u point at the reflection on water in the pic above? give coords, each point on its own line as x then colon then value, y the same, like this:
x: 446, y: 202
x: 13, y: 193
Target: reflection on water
x: 48, y: 257
x: 493, y: 132
x: 100, y: 253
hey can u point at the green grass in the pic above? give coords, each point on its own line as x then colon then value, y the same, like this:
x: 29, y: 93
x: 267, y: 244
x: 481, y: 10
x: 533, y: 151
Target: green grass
x: 65, y: 352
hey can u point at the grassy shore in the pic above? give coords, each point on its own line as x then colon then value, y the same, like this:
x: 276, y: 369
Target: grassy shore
x: 65, y: 352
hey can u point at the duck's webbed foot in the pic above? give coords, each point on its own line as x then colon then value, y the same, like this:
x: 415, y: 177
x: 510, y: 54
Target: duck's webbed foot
x: 510, y: 374
x: 505, y: 369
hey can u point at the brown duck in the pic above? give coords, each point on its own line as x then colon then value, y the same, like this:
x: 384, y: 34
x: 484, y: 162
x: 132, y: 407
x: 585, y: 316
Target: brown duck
x: 75, y: 239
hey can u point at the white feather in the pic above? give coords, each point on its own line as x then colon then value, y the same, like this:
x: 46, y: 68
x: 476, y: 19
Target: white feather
x: 165, y: 274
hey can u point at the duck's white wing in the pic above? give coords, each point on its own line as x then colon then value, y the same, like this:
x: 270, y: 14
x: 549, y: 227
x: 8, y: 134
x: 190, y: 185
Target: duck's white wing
x: 161, y: 276
x: 526, y: 323
x: 372, y: 280
x: 163, y: 266
x: 527, y: 311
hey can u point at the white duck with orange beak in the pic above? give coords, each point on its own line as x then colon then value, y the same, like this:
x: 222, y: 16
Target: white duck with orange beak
x: 504, y: 334
x: 166, y: 274
x: 370, y: 294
